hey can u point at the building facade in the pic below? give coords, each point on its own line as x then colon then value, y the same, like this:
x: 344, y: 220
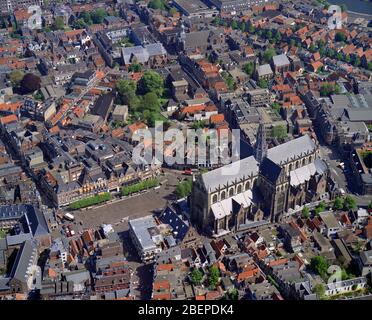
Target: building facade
x: 277, y: 181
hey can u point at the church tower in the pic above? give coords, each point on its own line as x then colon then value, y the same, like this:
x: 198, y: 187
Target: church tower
x: 261, y: 145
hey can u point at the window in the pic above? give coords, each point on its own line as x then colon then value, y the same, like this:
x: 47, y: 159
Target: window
x: 214, y: 198
x: 231, y: 192
x: 223, y: 195
x: 239, y: 190
x: 247, y: 186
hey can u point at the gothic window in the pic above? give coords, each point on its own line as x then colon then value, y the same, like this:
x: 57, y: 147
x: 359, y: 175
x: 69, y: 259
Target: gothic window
x: 303, y: 161
x: 214, y: 199
x: 239, y: 190
x: 290, y: 167
x: 223, y: 195
x: 247, y: 186
x: 231, y: 192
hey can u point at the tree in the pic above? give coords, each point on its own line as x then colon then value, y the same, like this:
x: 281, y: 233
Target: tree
x: 234, y: 25
x: 327, y: 89
x: 157, y: 4
x: 262, y: 83
x: 249, y: 68
x: 319, y: 265
x: 242, y: 26
x: 233, y: 295
x: 251, y: 29
x: 305, y: 213
x: 172, y: 11
x: 276, y: 107
x: 184, y: 188
x: 196, y: 276
x: 230, y: 82
x: 319, y: 290
x: 269, y: 34
x: 198, y: 124
x: 356, y: 61
x: 268, y: 54
x: 150, y: 102
x: 98, y: 15
x: 278, y: 36
x: 151, y: 81
x: 127, y: 93
x: 320, y: 208
x: 135, y: 67
x: 59, y: 24
x: 279, y: 132
x: 350, y: 203
x: 339, y: 56
x: 340, y: 37
x: 339, y: 203
x: 79, y: 24
x: 30, y: 83
x: 16, y: 77
x: 86, y: 17
x: 214, y: 275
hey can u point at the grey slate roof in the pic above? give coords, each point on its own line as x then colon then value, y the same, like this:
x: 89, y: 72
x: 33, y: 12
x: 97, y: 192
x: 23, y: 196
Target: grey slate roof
x: 280, y: 60
x: 142, y: 53
x: 196, y: 39
x: 270, y: 170
x: 238, y: 170
x: 25, y: 255
x: 291, y: 149
x: 264, y: 69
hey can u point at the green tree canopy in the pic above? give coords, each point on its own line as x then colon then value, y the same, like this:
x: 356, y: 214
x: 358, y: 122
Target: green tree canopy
x: 151, y: 81
x: 262, y: 83
x: 135, y: 67
x: 234, y: 25
x: 305, y: 212
x: 327, y: 89
x: 339, y: 203
x: 268, y: 54
x: 213, y: 277
x: 196, y: 276
x: 340, y: 36
x: 320, y: 207
x: 127, y: 93
x: 184, y: 188
x: 98, y: 15
x: 150, y: 102
x: 16, y: 77
x: 59, y: 24
x: 319, y: 265
x: 157, y: 4
x: 319, y: 289
x: 249, y: 68
x: 350, y: 203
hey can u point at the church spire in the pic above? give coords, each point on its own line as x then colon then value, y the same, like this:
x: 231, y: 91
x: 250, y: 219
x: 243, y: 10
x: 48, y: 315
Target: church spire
x: 261, y: 145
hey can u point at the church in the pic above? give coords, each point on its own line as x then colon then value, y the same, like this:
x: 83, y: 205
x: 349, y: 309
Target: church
x: 264, y: 186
